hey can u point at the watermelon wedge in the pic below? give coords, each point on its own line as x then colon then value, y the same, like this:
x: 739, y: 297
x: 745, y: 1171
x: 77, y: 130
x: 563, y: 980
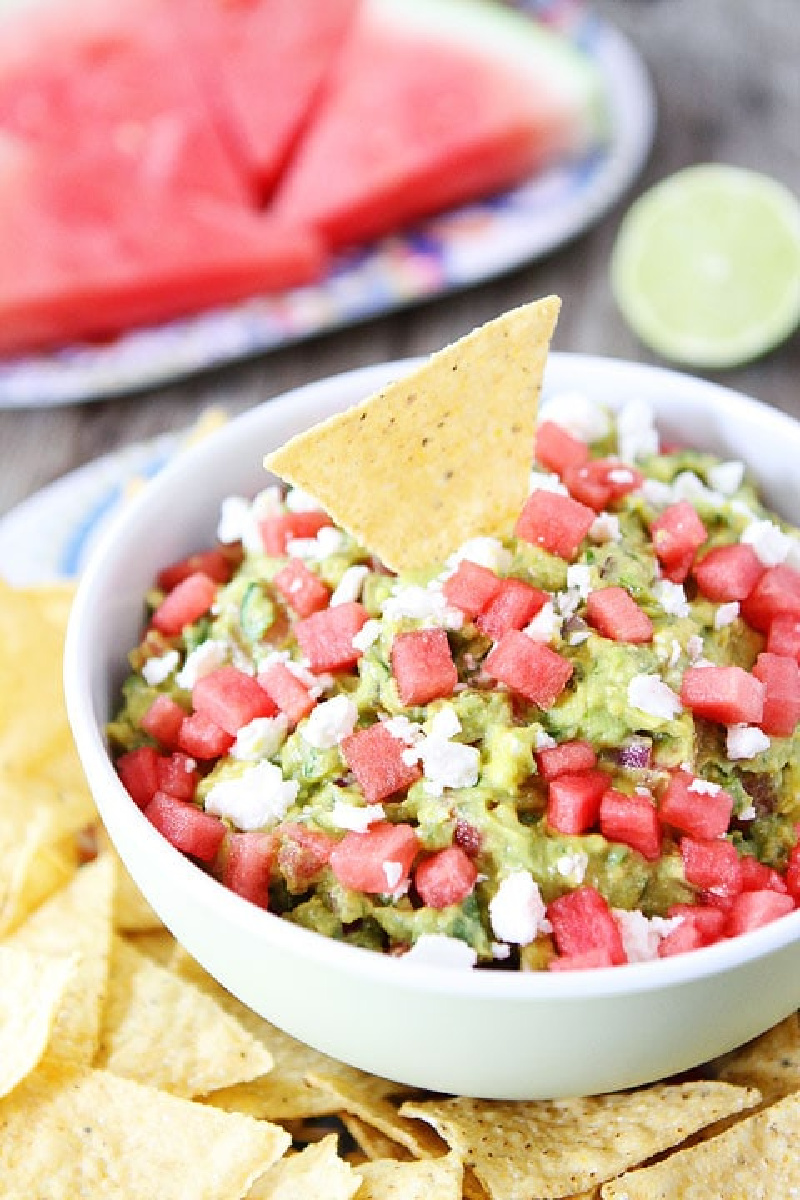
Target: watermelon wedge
x: 119, y: 203
x: 261, y: 65
x: 86, y: 263
x: 434, y: 103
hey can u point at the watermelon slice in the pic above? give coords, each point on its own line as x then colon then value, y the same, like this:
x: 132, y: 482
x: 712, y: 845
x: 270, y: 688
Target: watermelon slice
x: 261, y: 65
x: 136, y: 214
x: 434, y: 103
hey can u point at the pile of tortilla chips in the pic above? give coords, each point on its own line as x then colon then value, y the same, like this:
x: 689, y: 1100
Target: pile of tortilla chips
x: 127, y: 1073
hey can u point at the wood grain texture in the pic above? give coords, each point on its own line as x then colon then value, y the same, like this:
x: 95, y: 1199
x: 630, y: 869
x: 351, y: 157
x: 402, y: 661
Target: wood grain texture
x: 728, y: 86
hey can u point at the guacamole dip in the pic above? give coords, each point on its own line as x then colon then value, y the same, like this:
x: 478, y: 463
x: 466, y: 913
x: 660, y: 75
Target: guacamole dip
x: 573, y: 746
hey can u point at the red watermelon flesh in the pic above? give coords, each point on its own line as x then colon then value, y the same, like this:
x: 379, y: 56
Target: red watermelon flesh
x: 73, y: 76
x: 261, y: 65
x: 75, y: 270
x: 423, y: 114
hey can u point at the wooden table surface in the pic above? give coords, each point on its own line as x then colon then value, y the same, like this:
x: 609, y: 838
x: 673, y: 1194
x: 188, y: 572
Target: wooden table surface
x: 727, y: 77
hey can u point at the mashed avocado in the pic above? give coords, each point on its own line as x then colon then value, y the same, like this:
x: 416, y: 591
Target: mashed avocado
x: 398, y: 764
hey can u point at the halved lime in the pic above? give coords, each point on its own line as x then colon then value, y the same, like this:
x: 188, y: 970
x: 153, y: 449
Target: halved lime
x: 706, y: 266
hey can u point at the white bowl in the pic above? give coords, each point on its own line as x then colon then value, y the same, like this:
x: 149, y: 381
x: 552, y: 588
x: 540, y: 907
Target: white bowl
x: 487, y: 1034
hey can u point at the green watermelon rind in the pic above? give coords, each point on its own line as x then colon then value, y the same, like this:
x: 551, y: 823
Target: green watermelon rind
x: 548, y: 58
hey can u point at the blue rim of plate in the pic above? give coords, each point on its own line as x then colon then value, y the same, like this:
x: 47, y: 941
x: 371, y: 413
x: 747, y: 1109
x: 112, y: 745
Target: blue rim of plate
x: 458, y: 249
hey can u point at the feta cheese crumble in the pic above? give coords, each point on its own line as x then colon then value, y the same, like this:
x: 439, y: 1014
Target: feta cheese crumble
x: 348, y: 589
x: 545, y: 626
x: 579, y: 578
x: 727, y: 477
x: 486, y: 552
x: 637, y: 436
x: 439, y: 950
x: 205, y: 658
x: 704, y: 787
x: 517, y: 910
x: 651, y: 695
x: 393, y: 872
x: 367, y: 635
x: 257, y: 799
x: 769, y: 542
x: 745, y: 741
x: 605, y: 528
x: 330, y: 722
x: 642, y: 935
x: 157, y: 670
x: 426, y: 604
x: 260, y: 738
x: 356, y: 818
x: 299, y: 501
x: 328, y: 541
x: 544, y: 481
x: 672, y: 598
x: 726, y: 614
x: 580, y: 416
x: 572, y: 867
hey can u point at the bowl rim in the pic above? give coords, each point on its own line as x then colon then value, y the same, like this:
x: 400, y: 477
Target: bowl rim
x: 198, y: 886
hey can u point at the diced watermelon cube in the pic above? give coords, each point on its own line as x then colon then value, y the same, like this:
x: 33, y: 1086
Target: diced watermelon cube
x: 186, y: 603
x: 231, y: 698
x: 711, y: 864
x: 138, y: 770
x: 728, y: 572
x: 601, y: 481
x: 178, y: 776
x: 751, y: 910
x: 781, y: 679
x: 678, y: 571
x: 681, y: 940
x: 632, y: 820
x: 527, y: 667
x: 582, y: 922
x: 377, y: 861
x: 757, y: 875
x: 281, y: 528
x: 423, y: 667
x: 326, y: 638
x: 446, y: 877
x: 188, y: 829
x: 677, y: 531
x: 556, y: 523
x: 691, y: 805
x: 302, y: 853
x: 776, y: 594
x: 515, y: 604
x: 784, y: 636
x: 301, y: 588
x: 707, y: 920
x: 615, y: 614
x: 202, y: 738
x: 727, y: 694
x: 793, y: 873
x: 573, y: 801
x: 248, y: 864
x: 163, y: 720
x: 566, y: 757
x: 376, y: 759
x: 471, y: 587
x: 286, y: 691
x: 216, y: 563
x: 556, y: 449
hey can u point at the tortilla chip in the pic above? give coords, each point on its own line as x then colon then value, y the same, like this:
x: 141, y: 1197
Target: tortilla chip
x: 72, y: 1131
x: 132, y: 913
x: 438, y: 1178
x: 314, y: 1173
x: 366, y: 1096
x: 31, y: 989
x: 285, y: 1093
x: 371, y: 1141
x: 756, y: 1157
x: 453, y: 440
x: 517, y: 1149
x: 770, y: 1063
x: 34, y: 863
x: 161, y: 1030
x: 77, y: 919
x: 158, y: 944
